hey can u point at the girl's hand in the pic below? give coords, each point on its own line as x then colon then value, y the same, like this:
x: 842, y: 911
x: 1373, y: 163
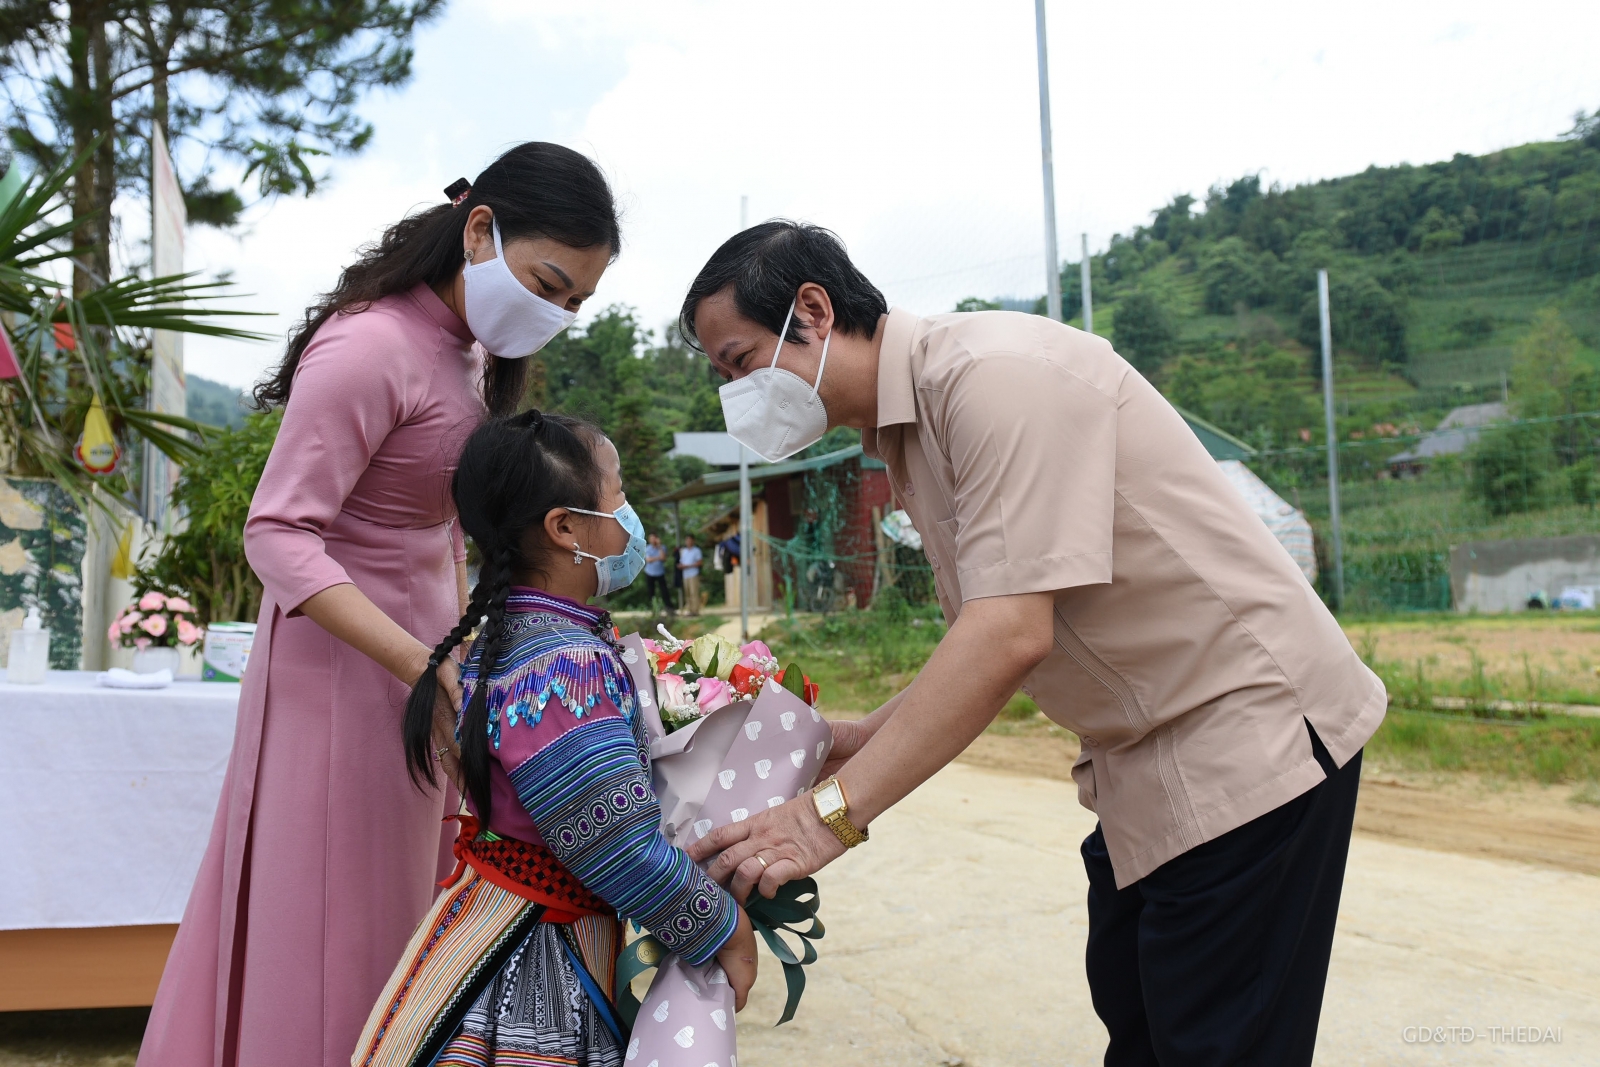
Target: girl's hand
x: 848, y: 737
x: 445, y: 708
x: 737, y: 957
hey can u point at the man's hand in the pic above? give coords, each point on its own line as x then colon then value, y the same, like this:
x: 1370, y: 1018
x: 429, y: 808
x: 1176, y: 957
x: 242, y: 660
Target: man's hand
x: 790, y: 837
x: 992, y: 647
x: 737, y: 957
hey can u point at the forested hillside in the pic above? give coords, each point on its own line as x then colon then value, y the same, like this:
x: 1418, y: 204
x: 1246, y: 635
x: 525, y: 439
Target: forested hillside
x: 1435, y: 272
x: 1471, y: 280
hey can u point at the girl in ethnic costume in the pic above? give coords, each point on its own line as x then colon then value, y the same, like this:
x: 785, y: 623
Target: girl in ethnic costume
x: 515, y: 963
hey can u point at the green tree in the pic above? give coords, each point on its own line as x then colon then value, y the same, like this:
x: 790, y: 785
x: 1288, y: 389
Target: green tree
x: 1143, y: 331
x: 1508, y: 467
x: 73, y: 350
x: 1232, y: 274
x: 206, y: 560
x: 269, y: 84
x: 1550, y: 381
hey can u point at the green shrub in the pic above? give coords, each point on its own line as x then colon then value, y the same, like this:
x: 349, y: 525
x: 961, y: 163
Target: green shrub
x: 206, y: 560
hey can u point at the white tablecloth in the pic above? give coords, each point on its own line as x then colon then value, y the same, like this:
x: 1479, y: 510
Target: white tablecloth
x: 106, y: 797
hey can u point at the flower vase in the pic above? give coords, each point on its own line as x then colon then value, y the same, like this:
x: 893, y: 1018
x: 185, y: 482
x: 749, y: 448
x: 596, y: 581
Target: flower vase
x: 151, y: 660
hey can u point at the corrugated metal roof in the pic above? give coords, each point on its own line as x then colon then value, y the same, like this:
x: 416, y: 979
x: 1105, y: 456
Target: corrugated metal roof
x: 1219, y: 442
x: 728, y: 481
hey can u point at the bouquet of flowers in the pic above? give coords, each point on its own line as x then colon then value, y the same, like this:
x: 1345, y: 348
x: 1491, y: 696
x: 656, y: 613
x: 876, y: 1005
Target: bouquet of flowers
x: 743, y: 736
x: 695, y: 678
x: 155, y: 620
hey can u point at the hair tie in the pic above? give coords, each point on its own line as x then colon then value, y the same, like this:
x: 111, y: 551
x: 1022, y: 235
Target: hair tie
x: 458, y: 191
x: 434, y: 660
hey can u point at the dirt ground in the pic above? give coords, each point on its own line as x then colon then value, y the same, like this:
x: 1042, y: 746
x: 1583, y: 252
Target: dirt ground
x: 956, y: 936
x: 1553, y: 826
x: 1468, y: 903
x: 1521, y: 655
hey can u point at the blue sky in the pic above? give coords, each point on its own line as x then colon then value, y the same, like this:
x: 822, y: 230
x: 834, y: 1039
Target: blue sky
x: 911, y: 128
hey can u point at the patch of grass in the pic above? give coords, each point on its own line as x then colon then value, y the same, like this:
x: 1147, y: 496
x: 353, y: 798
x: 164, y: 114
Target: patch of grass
x: 1542, y: 657
x: 98, y: 1037
x: 682, y: 626
x: 1550, y: 750
x: 860, y: 658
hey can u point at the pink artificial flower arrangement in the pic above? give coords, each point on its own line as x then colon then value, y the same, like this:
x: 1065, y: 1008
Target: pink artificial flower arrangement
x: 695, y: 678
x: 156, y: 620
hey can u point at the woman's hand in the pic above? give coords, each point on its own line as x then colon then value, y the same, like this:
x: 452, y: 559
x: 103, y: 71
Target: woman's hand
x: 737, y: 957
x: 446, y: 706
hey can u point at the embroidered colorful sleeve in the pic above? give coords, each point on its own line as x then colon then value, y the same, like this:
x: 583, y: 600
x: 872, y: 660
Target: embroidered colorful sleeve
x: 575, y: 763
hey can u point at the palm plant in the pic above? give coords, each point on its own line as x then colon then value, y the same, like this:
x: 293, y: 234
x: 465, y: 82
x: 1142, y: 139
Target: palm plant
x: 73, y: 348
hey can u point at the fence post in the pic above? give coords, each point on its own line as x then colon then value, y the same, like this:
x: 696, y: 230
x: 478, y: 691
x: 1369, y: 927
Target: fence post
x: 1088, y: 301
x: 1333, y: 439
x: 746, y: 544
x: 1052, y: 260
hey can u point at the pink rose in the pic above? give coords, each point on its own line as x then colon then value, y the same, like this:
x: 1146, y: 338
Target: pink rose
x: 753, y: 651
x: 651, y: 645
x: 152, y: 601
x: 669, y: 690
x: 142, y: 643
x: 177, y: 603
x: 129, y: 619
x: 714, y: 693
x: 188, y: 632
x: 115, y: 633
x: 154, y: 625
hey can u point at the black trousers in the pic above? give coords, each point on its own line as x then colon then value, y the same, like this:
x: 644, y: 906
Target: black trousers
x: 1220, y: 955
x: 656, y: 585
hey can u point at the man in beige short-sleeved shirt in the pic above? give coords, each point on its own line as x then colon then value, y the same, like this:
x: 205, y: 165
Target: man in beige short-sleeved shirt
x: 1086, y: 548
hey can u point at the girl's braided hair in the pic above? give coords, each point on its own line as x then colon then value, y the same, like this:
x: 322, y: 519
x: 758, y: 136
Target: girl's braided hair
x: 513, y: 472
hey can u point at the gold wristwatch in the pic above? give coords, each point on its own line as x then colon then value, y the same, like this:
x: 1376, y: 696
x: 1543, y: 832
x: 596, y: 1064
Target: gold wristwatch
x: 834, y: 810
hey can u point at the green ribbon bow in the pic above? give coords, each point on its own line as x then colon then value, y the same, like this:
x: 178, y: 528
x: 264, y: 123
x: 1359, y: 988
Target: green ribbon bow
x: 793, y: 910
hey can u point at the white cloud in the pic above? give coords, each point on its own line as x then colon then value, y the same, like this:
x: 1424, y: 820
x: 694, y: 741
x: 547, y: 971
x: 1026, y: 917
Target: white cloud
x: 911, y: 128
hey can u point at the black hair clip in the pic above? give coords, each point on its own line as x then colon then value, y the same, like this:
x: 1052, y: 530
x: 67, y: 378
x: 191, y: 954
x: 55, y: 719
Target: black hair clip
x: 458, y: 191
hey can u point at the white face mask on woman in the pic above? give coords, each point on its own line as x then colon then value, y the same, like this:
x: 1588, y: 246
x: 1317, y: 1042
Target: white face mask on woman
x: 775, y: 413
x: 506, y: 318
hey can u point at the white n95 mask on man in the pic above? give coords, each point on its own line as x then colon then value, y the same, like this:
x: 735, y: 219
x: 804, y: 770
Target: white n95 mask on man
x: 503, y: 314
x: 774, y: 412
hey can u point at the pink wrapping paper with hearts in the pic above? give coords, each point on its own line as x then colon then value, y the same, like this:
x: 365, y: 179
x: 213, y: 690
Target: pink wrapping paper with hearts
x: 744, y: 757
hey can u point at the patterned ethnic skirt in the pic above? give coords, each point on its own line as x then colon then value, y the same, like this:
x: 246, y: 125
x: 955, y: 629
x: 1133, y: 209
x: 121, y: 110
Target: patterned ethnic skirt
x: 513, y: 965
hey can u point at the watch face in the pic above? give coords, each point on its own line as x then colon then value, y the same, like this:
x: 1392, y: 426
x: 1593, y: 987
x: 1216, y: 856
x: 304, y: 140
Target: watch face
x: 829, y: 798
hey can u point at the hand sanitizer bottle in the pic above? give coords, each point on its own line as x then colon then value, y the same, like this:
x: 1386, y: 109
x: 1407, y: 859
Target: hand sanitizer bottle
x: 30, y: 651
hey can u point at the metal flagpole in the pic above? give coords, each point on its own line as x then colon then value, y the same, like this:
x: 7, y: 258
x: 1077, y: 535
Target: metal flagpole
x: 1333, y: 439
x: 1088, y: 300
x: 746, y: 543
x: 1052, y: 262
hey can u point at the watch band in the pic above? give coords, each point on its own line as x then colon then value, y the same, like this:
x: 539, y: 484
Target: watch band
x: 838, y: 820
x: 844, y: 829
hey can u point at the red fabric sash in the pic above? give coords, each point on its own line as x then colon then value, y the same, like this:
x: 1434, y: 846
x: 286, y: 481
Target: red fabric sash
x: 530, y: 871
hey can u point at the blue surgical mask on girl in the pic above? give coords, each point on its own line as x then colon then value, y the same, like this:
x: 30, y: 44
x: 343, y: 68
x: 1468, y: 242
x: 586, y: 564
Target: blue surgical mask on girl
x: 616, y: 572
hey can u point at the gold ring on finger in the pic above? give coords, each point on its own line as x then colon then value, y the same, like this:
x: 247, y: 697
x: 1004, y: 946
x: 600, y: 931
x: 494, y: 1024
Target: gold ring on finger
x: 761, y: 860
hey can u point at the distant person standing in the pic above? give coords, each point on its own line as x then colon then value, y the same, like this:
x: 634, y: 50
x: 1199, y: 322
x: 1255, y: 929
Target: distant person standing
x: 655, y: 575
x: 689, y: 559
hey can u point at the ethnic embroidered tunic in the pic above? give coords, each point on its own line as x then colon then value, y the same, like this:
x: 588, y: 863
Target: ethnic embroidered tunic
x: 571, y: 771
